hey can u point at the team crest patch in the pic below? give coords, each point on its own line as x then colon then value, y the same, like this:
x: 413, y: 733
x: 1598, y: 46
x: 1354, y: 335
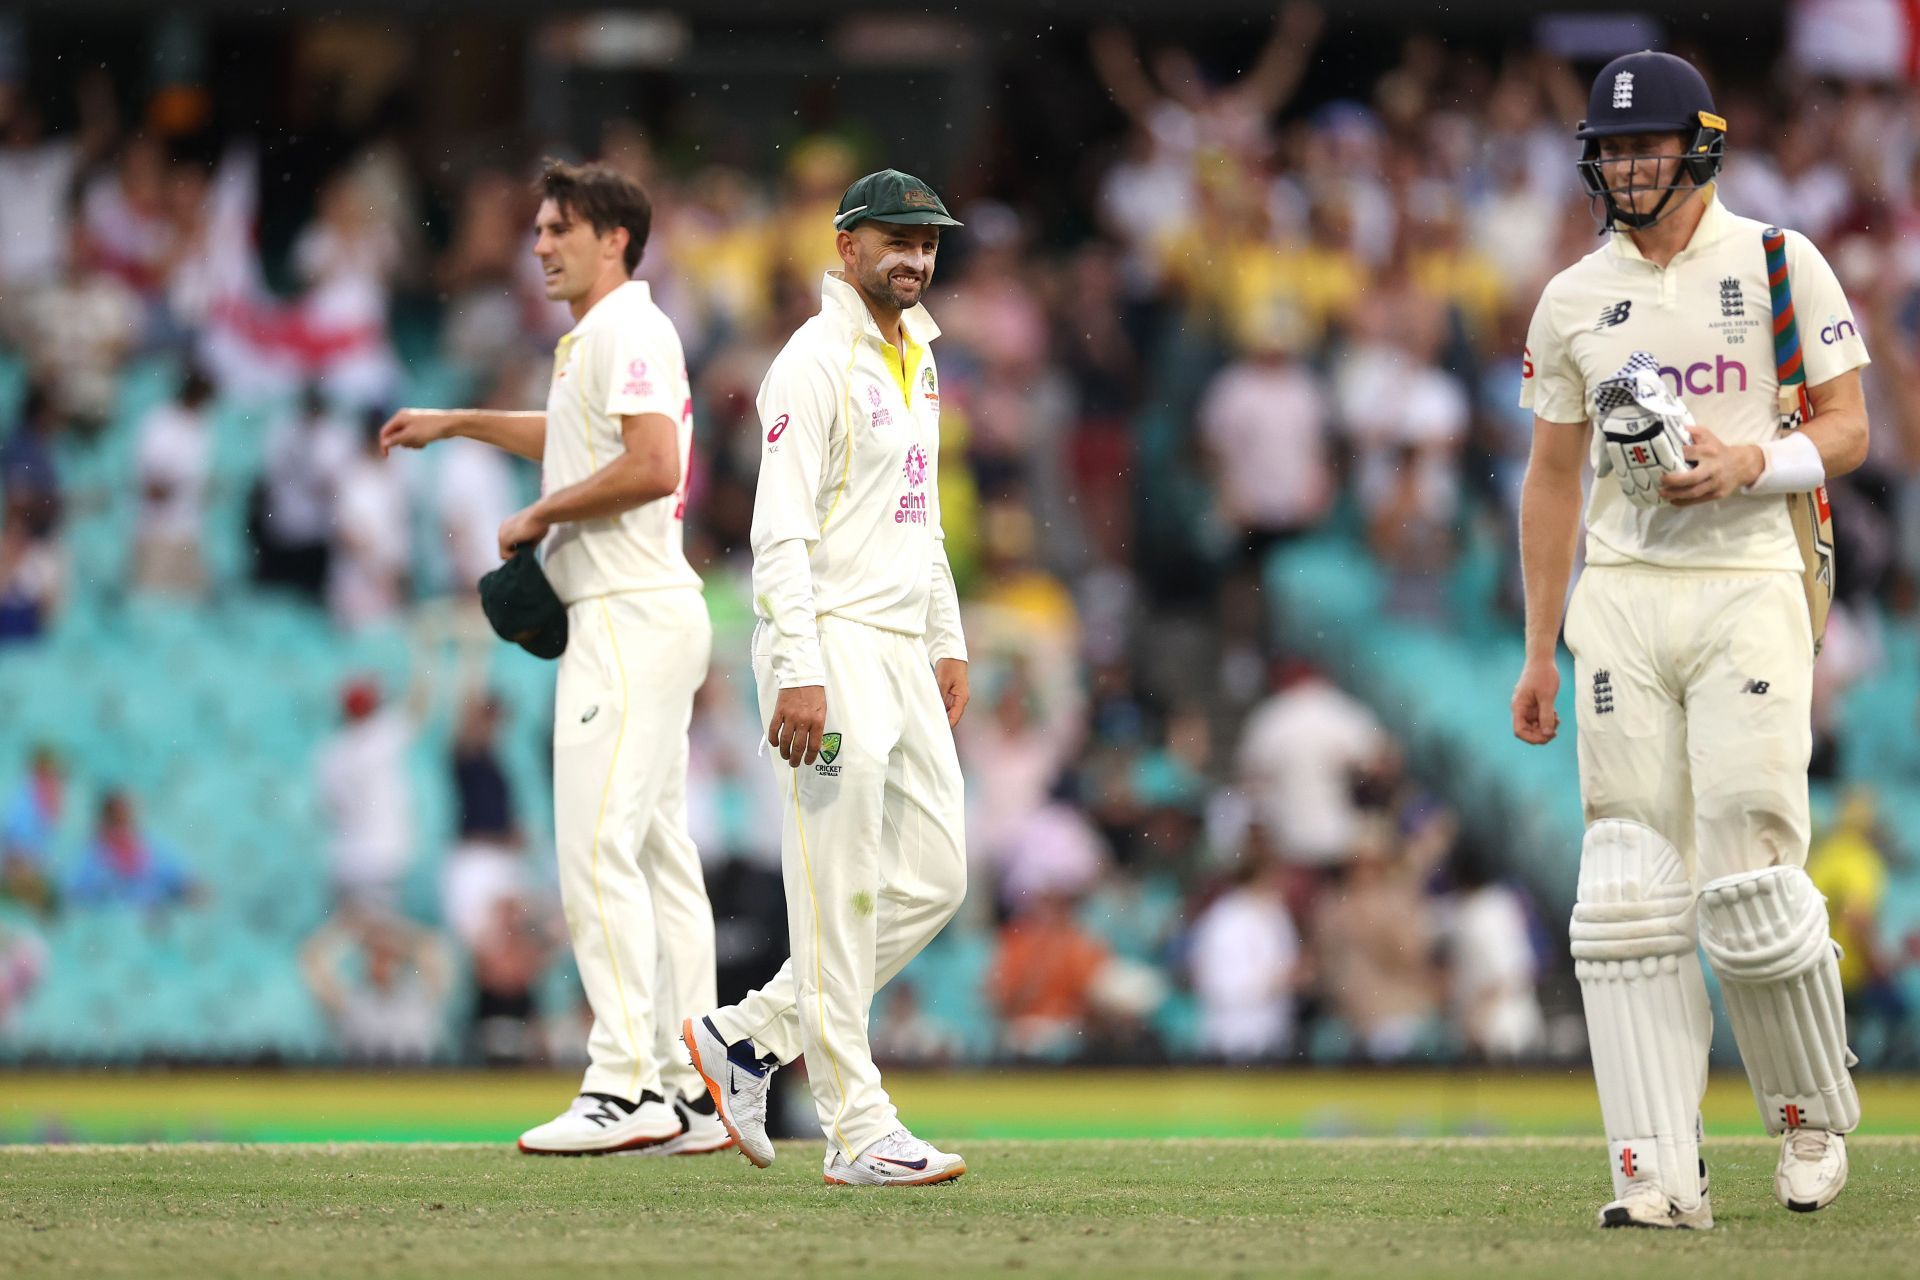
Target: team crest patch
x: 928, y: 387
x: 829, y: 747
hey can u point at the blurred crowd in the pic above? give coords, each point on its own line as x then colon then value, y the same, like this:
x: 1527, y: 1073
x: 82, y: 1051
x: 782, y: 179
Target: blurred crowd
x: 1282, y: 316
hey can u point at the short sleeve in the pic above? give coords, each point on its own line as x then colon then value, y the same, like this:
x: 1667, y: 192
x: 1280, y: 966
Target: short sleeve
x: 1828, y: 333
x: 1550, y: 383
x: 644, y: 374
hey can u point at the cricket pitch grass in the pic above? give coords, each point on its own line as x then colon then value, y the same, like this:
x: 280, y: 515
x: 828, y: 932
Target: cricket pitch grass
x: 1233, y: 1207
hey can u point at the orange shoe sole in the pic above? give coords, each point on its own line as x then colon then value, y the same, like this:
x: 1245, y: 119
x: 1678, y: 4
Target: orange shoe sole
x: 713, y: 1091
x: 946, y: 1175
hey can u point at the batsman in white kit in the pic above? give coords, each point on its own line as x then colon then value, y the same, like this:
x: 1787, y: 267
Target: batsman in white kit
x: 1673, y: 355
x: 613, y: 446
x: 862, y: 674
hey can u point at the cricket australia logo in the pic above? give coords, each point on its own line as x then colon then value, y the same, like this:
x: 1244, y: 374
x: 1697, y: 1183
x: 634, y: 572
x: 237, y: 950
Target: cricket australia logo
x: 1602, y: 692
x: 1623, y: 91
x: 1615, y: 314
x: 829, y: 752
x: 929, y: 388
x: 916, y: 466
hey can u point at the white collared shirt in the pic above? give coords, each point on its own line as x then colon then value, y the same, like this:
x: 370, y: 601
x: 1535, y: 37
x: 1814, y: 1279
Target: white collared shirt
x: 846, y: 516
x: 623, y: 358
x: 1708, y: 319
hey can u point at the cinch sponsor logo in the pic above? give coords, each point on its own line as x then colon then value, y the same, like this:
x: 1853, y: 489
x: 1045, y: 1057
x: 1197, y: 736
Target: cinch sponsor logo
x: 1703, y: 378
x: 1838, y: 331
x: 912, y: 509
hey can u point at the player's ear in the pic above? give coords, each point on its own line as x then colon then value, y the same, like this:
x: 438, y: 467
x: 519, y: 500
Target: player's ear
x: 849, y: 250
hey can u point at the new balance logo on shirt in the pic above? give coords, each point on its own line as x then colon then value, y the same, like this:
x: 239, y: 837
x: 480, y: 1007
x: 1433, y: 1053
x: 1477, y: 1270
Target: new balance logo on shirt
x: 1615, y: 314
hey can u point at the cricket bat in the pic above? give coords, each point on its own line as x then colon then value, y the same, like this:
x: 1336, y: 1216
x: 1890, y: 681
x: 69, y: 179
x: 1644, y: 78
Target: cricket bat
x: 1811, y: 513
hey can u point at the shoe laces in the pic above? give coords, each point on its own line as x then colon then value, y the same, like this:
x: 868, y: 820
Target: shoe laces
x: 1808, y: 1144
x: 900, y: 1143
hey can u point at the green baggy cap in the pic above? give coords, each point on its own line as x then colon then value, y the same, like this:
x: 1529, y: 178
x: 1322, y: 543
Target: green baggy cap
x: 891, y: 196
x: 522, y: 606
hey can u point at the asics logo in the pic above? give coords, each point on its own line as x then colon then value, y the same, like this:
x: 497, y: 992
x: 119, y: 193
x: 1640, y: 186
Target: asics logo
x: 917, y: 1166
x: 778, y: 429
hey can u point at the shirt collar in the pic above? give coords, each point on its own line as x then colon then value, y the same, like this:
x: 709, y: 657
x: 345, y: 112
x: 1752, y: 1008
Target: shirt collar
x: 602, y: 312
x: 1714, y: 224
x: 842, y: 302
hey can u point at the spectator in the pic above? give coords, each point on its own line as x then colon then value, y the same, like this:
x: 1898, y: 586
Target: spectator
x: 365, y: 791
x: 77, y: 333
x: 1849, y: 870
x: 903, y: 1034
x: 511, y: 951
x: 487, y: 864
x: 37, y: 176
x: 1373, y: 947
x: 23, y: 962
x: 123, y: 864
x: 174, y: 466
x: 308, y: 454
x: 1247, y: 965
x: 1301, y: 755
x: 476, y: 496
x: 29, y: 477
x: 1042, y: 981
x: 383, y: 983
x: 1265, y: 423
x: 33, y: 578
x: 367, y: 564
x: 1492, y: 971
x: 32, y: 826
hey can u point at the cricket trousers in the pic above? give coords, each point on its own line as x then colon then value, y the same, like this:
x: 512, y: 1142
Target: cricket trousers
x: 630, y: 879
x: 1694, y: 695
x: 874, y: 860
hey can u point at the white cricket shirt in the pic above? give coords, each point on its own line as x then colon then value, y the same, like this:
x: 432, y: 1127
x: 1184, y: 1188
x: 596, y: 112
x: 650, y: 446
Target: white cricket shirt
x: 1707, y: 318
x: 846, y: 517
x: 623, y: 358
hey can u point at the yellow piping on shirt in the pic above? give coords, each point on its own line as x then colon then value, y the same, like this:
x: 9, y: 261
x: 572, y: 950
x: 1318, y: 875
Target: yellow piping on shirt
x: 846, y: 470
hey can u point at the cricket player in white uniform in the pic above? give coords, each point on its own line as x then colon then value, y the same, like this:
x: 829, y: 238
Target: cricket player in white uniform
x: 1693, y: 636
x: 613, y: 445
x: 862, y: 674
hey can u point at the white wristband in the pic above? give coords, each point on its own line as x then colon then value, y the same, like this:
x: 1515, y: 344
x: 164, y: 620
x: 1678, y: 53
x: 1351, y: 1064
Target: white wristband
x: 1793, y: 465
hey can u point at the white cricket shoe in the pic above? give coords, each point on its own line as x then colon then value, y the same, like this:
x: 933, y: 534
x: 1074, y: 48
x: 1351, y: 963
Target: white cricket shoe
x: 739, y: 1092
x: 897, y: 1160
x: 1646, y: 1205
x: 700, y: 1134
x: 598, y: 1126
x: 1812, y: 1169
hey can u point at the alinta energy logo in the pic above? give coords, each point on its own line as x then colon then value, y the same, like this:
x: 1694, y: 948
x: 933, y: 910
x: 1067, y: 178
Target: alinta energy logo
x: 915, y: 468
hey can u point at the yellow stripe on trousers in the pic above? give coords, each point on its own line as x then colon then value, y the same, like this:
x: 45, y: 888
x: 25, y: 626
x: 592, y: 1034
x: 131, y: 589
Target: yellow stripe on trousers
x: 819, y: 991
x: 600, y: 905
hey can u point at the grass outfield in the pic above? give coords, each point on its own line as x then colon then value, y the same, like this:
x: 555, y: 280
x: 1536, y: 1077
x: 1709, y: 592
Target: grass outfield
x: 1352, y: 1207
x: 268, y: 1106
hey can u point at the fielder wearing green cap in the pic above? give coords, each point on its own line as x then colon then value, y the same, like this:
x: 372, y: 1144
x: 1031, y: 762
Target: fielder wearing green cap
x: 862, y: 674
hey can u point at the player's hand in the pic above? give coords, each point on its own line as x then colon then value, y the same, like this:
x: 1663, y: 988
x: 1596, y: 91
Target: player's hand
x: 799, y: 719
x: 1534, y: 719
x: 522, y: 528
x: 1719, y: 470
x: 414, y: 429
x: 951, y: 675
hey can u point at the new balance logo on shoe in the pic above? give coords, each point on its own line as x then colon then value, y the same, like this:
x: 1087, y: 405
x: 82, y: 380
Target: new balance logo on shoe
x: 607, y: 1114
x: 1759, y: 687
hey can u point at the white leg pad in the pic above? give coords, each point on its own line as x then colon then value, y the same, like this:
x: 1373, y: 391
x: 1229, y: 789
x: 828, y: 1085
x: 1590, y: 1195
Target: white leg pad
x: 1765, y: 932
x: 1648, y: 1021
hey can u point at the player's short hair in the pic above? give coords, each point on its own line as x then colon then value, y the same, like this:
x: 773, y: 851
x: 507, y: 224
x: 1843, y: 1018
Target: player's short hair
x: 605, y: 197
